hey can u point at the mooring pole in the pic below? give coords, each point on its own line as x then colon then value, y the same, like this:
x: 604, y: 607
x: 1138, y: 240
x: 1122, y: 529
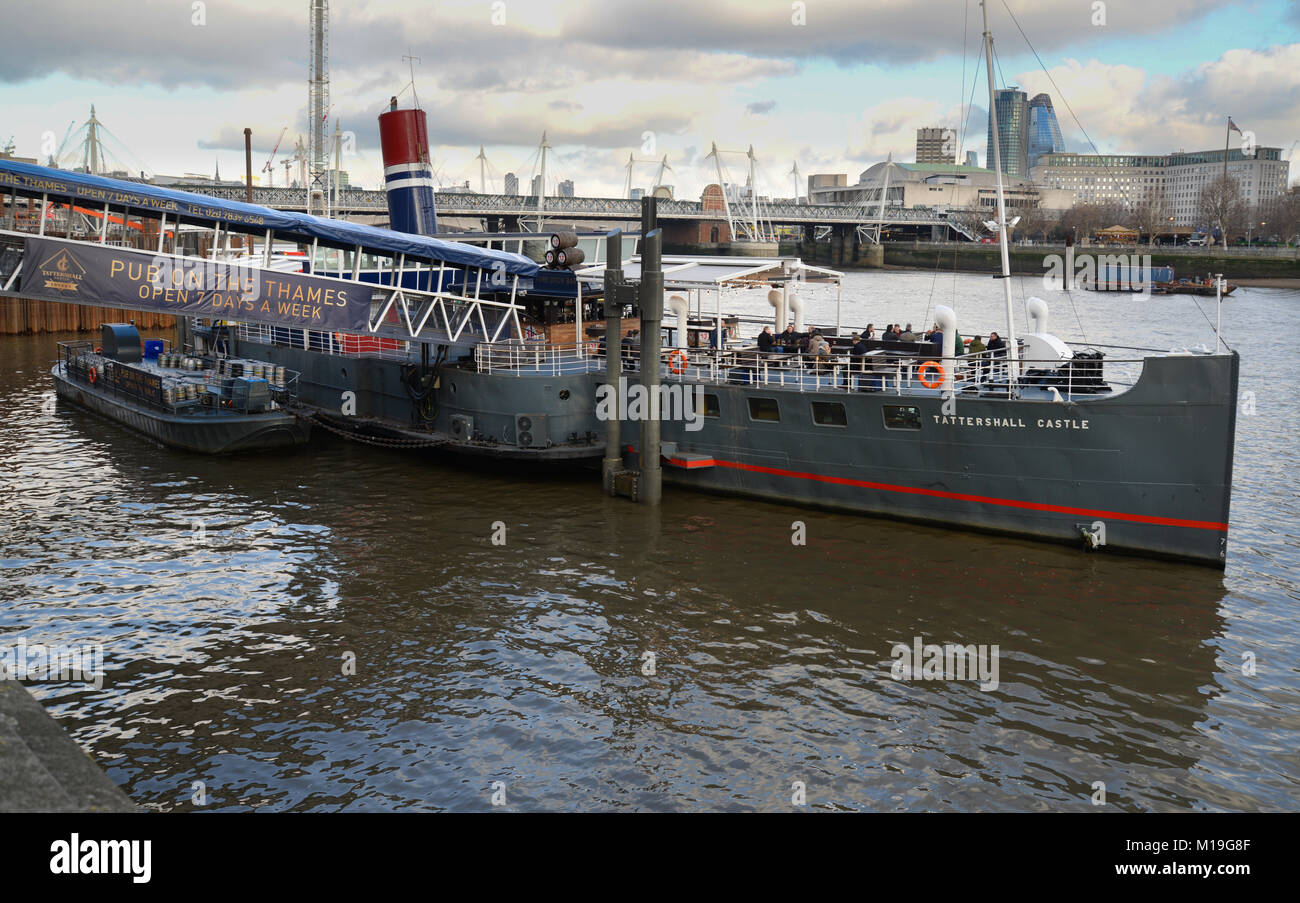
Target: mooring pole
x: 651, y: 489
x: 613, y: 462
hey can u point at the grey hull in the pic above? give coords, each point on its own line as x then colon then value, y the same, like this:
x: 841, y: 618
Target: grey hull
x: 562, y: 408
x: 1153, y: 465
x: 209, y: 434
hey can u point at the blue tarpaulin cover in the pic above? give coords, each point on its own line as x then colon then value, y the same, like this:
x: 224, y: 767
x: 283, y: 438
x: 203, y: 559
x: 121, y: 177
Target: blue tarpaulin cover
x: 32, y: 180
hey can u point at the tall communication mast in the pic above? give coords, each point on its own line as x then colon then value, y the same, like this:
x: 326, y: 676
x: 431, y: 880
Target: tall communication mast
x: 318, y: 99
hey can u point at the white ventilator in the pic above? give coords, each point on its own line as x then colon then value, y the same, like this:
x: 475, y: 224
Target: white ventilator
x: 794, y: 304
x: 776, y: 298
x: 678, y: 305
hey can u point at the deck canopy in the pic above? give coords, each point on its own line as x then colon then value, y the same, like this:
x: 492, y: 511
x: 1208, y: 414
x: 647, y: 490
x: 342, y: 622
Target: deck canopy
x: 61, y: 186
x: 693, y: 272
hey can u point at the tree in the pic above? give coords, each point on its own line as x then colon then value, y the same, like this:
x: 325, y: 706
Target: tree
x: 1282, y: 214
x: 1082, y: 220
x: 1034, y: 220
x: 1149, y: 217
x: 971, y: 219
x: 1221, y: 205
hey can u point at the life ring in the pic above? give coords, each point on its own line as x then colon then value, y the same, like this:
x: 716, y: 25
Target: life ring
x: 925, y: 368
x: 677, y: 361
x: 92, y: 375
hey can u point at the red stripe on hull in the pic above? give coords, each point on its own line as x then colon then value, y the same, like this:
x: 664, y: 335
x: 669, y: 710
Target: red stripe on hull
x: 964, y: 497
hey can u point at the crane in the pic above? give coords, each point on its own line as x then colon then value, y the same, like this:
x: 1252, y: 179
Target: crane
x: 268, y: 168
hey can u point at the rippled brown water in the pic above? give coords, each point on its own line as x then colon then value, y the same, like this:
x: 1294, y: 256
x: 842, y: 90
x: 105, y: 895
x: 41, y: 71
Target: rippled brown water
x: 523, y: 663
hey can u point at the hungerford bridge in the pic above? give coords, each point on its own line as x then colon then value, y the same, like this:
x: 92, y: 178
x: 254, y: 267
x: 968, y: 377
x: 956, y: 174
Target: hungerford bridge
x: 516, y: 212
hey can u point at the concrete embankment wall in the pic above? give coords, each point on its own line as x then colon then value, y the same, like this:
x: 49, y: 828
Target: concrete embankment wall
x: 24, y: 316
x: 42, y: 769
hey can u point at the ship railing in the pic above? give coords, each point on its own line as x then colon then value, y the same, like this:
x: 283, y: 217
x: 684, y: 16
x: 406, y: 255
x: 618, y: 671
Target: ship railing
x: 338, y: 344
x: 524, y: 358
x: 80, y: 357
x: 983, y: 373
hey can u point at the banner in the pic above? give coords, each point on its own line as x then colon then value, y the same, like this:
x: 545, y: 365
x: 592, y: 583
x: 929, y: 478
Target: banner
x: 82, y: 273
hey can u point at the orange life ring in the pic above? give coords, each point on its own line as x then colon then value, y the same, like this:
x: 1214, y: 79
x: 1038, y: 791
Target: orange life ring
x: 92, y: 375
x: 925, y: 368
x: 677, y: 361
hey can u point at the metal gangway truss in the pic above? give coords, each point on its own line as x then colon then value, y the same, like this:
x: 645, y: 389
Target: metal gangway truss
x: 401, y: 286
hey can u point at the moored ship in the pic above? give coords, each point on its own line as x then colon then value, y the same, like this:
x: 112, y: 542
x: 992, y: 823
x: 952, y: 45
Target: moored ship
x: 201, y: 404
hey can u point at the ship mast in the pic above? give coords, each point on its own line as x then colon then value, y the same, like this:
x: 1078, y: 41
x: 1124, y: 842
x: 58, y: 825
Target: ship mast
x: 1013, y: 350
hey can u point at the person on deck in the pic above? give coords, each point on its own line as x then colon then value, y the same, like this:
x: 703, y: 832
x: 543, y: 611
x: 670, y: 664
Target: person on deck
x: 789, y: 339
x: 907, y: 334
x: 997, y: 352
x: 889, y: 335
x: 766, y: 340
x: 857, y: 354
x: 818, y: 346
x: 870, y: 334
x: 981, y: 364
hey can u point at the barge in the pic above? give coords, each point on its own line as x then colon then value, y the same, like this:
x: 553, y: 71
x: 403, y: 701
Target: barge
x: 200, y: 404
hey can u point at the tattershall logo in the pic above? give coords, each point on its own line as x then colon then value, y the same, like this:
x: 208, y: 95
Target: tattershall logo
x: 673, y: 401
x: 931, y: 661
x: 103, y: 857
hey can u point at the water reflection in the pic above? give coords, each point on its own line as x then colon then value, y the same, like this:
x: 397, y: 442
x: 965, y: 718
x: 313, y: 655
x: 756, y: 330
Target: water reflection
x: 523, y: 663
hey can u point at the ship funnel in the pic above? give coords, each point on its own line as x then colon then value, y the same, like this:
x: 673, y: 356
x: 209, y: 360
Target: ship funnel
x: 408, y: 177
x: 795, y: 304
x: 776, y: 298
x: 1037, y: 308
x: 678, y: 305
x: 946, y: 317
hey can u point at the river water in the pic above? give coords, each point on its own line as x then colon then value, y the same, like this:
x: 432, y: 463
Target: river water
x: 231, y: 596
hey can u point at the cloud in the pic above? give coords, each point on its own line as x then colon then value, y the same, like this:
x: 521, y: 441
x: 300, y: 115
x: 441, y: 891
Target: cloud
x: 1126, y: 111
x: 761, y: 108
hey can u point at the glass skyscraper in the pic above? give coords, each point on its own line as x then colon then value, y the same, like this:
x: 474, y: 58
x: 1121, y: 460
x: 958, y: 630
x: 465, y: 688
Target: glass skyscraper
x: 1044, y: 130
x: 1011, y: 111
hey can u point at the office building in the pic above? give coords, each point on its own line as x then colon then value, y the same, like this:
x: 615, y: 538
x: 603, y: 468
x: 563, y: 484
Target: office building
x: 936, y: 145
x: 1011, y: 114
x: 1044, y: 130
x: 1174, y: 180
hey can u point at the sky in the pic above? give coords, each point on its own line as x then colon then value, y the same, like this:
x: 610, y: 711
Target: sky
x: 830, y: 85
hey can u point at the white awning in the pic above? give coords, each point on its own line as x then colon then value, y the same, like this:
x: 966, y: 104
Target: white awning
x: 715, y: 272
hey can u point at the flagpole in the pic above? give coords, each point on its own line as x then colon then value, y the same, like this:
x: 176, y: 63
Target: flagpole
x: 1227, y: 138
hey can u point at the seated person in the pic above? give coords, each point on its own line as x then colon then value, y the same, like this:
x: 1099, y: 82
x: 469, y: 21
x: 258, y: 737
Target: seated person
x: 818, y: 347
x: 766, y: 340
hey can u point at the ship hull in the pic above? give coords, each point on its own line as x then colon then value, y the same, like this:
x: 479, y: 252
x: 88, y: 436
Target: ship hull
x: 476, y: 415
x: 1152, y: 466
x: 209, y: 434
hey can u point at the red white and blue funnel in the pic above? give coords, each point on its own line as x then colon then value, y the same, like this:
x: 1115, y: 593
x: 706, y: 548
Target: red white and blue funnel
x: 408, y: 176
